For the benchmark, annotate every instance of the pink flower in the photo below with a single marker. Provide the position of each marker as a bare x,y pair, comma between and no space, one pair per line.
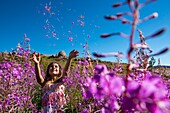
70,39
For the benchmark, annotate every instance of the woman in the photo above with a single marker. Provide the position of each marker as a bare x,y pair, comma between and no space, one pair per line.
53,97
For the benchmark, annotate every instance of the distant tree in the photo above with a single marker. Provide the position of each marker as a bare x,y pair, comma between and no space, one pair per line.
152,62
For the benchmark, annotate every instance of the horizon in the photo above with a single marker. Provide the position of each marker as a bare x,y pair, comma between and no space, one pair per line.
68,25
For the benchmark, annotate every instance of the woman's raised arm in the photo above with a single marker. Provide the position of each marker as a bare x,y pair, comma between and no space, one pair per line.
36,59
73,54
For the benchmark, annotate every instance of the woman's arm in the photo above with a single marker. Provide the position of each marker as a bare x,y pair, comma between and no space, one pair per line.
36,60
72,54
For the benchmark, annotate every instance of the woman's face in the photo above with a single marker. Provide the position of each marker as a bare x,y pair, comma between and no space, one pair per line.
54,69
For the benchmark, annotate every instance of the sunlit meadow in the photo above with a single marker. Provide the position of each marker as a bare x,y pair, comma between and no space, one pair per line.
91,85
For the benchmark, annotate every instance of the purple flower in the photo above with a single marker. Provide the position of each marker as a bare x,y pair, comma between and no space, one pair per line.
111,85
85,110
93,87
100,69
132,86
1,72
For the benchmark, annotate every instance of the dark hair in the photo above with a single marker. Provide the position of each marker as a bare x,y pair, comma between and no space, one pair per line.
48,77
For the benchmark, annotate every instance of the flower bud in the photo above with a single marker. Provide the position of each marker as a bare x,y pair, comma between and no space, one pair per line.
154,15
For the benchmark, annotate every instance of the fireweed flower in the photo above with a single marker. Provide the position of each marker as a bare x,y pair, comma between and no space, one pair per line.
147,74
16,74
154,100
105,88
1,72
129,100
77,93
111,86
100,69
85,111
167,83
146,96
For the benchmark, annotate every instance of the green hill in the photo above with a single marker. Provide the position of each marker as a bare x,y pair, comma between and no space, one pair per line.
46,59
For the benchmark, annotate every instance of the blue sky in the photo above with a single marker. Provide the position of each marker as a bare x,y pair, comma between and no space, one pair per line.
79,20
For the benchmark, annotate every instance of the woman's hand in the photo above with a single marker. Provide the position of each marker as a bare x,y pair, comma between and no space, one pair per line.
73,54
36,58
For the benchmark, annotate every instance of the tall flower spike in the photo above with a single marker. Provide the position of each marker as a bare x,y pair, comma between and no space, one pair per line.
142,38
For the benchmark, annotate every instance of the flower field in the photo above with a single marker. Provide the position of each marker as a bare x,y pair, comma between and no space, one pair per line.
92,85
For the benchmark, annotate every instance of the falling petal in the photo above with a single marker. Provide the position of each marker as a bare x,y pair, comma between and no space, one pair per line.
46,21
47,36
69,31
85,45
88,36
82,24
70,39
52,13
47,8
78,20
54,34
49,3
57,38
45,27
